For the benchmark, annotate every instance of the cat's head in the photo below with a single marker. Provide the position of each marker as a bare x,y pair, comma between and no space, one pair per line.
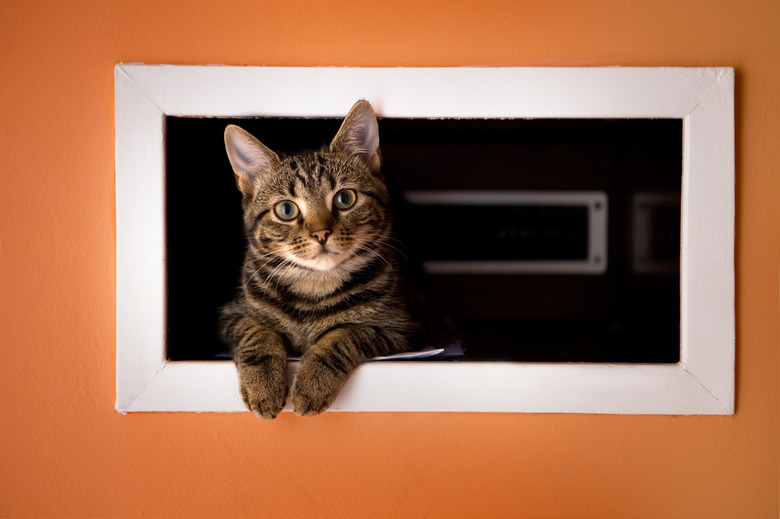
318,210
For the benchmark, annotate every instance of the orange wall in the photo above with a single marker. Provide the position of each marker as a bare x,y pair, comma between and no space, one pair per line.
64,451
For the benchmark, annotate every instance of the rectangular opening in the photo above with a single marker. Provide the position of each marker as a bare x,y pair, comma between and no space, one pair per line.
657,283
542,240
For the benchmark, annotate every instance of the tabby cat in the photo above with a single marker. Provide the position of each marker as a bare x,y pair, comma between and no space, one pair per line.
321,279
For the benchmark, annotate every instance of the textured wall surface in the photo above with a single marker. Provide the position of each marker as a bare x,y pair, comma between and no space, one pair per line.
66,452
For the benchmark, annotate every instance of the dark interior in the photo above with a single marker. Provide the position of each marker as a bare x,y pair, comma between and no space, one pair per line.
630,313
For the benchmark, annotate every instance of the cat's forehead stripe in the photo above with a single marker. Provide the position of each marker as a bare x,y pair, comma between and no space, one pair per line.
310,172
291,187
303,179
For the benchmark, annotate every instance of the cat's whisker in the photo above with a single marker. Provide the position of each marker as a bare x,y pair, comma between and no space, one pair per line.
374,251
368,266
391,247
246,283
378,241
279,269
401,243
272,255
371,251
362,259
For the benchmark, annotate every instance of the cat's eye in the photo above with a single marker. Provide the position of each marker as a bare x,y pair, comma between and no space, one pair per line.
286,210
345,199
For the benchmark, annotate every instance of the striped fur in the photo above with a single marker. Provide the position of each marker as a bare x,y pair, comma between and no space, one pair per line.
322,283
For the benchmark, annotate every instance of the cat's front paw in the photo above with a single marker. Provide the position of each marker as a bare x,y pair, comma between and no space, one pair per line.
310,404
314,389
264,386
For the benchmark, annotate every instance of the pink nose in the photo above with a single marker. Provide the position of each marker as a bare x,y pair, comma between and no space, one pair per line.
321,235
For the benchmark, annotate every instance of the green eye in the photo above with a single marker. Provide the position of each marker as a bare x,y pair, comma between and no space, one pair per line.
345,199
286,210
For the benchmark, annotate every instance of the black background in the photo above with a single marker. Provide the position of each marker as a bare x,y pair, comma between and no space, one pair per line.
620,316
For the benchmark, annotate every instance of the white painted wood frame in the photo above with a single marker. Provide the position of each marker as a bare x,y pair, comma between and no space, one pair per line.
701,383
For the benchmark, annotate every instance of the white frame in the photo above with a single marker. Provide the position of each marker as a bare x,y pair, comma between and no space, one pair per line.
701,383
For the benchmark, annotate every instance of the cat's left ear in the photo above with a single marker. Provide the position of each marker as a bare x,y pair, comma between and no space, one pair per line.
359,135
248,156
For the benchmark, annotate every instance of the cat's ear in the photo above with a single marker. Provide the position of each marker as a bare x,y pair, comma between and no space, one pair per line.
248,156
359,135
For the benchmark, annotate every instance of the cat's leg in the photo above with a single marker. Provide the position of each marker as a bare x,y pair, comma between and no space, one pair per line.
327,365
261,362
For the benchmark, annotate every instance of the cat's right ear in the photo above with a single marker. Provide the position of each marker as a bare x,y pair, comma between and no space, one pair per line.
248,156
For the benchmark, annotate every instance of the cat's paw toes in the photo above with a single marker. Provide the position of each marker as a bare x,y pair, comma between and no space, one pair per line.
311,404
264,407
313,391
316,385
264,391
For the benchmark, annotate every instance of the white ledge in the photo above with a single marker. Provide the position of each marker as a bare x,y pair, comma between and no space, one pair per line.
409,386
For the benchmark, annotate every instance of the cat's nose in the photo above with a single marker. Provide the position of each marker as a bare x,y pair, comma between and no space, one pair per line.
321,235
